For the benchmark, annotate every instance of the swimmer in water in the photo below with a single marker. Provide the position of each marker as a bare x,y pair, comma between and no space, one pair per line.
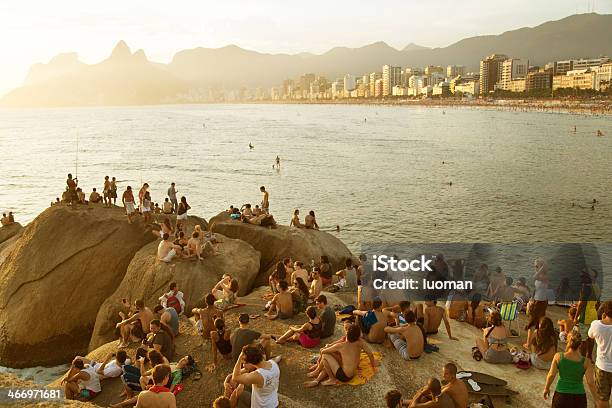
278,162
337,228
450,183
251,146
599,133
574,128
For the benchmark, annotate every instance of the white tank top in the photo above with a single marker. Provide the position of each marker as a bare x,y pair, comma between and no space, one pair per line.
541,291
267,396
93,384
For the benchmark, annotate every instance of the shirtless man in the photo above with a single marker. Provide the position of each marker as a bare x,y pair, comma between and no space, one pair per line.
317,284
137,325
433,315
141,195
113,187
72,187
94,197
407,339
299,272
350,352
377,329
158,396
128,203
194,247
166,250
431,396
497,281
5,220
282,303
265,203
454,388
310,221
205,318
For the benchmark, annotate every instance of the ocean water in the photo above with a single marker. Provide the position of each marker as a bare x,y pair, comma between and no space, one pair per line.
381,173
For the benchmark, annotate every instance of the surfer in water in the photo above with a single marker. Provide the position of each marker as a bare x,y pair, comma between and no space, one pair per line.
277,162
251,146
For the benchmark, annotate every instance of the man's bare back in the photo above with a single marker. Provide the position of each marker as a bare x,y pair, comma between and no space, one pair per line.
413,336
284,303
146,316
457,390
350,354
149,399
433,318
377,330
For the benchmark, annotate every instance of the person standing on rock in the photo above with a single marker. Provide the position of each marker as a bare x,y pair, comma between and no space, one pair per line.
106,192
181,212
172,196
265,203
141,196
128,203
72,189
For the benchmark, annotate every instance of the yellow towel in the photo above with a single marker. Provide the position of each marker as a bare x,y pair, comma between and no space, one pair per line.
342,316
365,371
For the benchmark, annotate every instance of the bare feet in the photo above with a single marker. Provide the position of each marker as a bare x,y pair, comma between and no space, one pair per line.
311,384
330,381
312,374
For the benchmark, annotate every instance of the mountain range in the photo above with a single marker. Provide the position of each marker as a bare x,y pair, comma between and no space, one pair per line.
127,78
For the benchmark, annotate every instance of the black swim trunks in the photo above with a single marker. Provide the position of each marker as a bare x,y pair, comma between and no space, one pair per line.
341,376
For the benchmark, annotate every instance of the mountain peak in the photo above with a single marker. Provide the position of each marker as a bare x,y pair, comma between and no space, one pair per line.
121,51
413,47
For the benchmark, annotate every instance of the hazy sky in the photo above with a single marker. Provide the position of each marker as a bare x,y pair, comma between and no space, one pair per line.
35,31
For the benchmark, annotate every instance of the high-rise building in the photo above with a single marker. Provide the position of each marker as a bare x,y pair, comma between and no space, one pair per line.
454,70
373,77
562,67
539,80
391,77
430,69
490,72
513,69
378,88
349,82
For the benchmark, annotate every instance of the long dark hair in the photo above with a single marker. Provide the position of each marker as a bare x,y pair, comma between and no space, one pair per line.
546,337
281,272
302,286
495,320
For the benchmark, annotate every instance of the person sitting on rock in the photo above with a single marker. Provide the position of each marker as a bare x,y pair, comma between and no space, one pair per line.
343,370
244,336
433,315
454,387
136,325
95,197
279,274
373,322
5,220
82,382
81,196
315,369
225,291
194,246
328,316
299,272
165,228
161,340
300,293
257,211
205,317
158,396
221,343
111,366
281,305
309,334
316,285
295,220
325,271
169,317
431,396
393,399
310,222
173,298
408,339
166,250
263,375
157,209
246,212
167,207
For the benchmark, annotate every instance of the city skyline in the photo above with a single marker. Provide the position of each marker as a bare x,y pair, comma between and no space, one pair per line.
268,27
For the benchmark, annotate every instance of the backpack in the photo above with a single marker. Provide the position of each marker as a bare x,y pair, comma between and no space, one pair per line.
174,303
131,376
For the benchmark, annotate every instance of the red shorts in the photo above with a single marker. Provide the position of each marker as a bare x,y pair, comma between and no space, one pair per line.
308,342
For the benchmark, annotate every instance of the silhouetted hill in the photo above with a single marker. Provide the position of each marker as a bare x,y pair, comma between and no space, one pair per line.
126,78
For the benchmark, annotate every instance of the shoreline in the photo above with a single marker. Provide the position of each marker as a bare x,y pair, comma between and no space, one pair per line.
581,107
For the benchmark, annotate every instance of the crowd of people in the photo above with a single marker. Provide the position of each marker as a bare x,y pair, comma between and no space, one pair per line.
151,380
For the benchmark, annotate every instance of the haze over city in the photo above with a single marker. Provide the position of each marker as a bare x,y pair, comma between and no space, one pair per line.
41,30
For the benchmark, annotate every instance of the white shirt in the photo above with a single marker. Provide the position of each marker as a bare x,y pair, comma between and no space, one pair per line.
266,396
112,369
541,291
602,333
93,384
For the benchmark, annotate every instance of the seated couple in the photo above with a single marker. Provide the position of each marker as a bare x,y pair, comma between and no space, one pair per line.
262,218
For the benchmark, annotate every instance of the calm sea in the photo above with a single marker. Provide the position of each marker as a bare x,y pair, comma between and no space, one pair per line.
381,173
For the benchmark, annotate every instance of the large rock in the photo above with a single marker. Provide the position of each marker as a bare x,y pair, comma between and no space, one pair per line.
55,277
8,231
281,242
147,279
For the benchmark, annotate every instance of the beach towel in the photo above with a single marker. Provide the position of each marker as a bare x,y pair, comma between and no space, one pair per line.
343,315
365,371
367,321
